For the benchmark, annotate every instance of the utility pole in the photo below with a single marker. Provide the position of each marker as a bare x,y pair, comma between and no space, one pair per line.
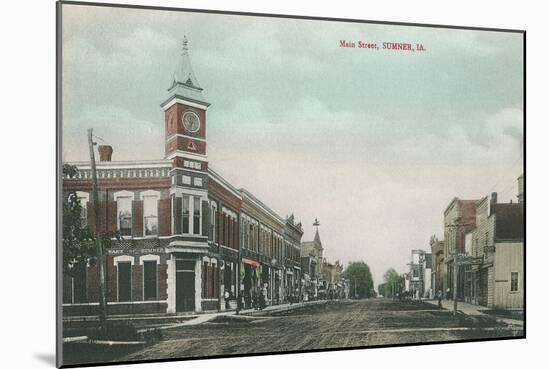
98,241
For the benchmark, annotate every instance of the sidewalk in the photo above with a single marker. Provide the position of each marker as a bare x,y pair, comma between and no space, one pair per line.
476,310
281,307
163,321
243,314
466,308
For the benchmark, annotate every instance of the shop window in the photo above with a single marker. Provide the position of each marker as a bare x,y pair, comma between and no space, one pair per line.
79,281
205,279
124,281
150,280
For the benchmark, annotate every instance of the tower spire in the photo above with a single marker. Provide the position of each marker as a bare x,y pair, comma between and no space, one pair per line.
184,71
317,238
184,81
184,46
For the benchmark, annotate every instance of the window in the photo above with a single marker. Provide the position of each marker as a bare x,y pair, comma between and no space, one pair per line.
124,281
191,204
83,198
83,213
213,215
252,239
77,284
514,282
196,214
205,269
192,164
150,215
150,280
185,214
124,209
185,180
197,181
210,279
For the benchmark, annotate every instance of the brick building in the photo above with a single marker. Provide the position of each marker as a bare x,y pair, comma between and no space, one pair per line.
459,219
187,240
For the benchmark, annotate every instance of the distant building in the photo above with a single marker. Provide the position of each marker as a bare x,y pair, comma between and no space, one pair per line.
438,262
332,278
428,290
311,253
419,276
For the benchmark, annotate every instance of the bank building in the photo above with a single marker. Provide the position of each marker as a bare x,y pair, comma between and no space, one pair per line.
186,240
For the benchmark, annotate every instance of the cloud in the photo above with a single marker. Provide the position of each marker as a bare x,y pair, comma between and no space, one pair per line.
375,144
111,124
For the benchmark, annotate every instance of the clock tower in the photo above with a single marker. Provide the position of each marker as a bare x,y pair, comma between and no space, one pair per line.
185,123
185,146
185,112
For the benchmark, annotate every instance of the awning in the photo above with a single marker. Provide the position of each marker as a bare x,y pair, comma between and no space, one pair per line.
251,262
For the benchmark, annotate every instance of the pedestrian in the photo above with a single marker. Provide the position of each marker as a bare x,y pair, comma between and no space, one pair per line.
226,297
263,297
254,300
448,293
439,295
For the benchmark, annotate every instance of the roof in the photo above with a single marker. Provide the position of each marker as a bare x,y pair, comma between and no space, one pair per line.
184,71
128,164
509,222
224,183
317,238
247,196
461,202
184,82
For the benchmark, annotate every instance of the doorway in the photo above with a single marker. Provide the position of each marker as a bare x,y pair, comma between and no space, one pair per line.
185,285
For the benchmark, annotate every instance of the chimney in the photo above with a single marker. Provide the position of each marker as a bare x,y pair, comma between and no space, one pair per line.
493,202
105,152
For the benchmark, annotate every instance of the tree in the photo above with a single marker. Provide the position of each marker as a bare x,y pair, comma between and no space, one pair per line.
360,278
394,283
78,242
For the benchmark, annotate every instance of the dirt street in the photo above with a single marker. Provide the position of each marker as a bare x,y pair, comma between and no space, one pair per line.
331,325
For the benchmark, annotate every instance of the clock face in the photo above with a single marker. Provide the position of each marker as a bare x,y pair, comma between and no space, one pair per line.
191,121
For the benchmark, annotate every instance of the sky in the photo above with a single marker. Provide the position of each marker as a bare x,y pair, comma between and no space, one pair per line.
374,143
